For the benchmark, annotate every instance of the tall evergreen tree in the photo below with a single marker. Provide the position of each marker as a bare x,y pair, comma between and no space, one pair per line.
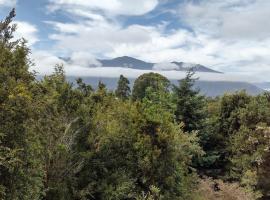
123,89
189,104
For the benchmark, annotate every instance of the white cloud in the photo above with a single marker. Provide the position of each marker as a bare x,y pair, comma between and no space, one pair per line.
227,35
111,7
84,59
27,31
241,30
152,44
101,38
231,19
77,64
111,39
165,66
45,62
8,3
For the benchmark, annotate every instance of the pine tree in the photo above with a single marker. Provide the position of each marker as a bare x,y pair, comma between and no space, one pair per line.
123,89
189,104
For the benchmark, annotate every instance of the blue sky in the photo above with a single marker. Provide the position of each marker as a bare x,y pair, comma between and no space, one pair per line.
232,36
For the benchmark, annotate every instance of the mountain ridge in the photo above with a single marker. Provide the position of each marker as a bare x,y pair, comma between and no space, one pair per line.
134,63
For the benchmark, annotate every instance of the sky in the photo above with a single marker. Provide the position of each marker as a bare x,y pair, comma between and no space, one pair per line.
232,36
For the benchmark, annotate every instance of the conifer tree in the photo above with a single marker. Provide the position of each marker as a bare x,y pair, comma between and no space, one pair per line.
189,104
123,89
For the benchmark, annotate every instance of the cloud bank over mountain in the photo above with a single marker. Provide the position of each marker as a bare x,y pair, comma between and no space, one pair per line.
227,35
92,67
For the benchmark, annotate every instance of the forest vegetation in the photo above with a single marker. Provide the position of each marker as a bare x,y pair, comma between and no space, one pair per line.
155,141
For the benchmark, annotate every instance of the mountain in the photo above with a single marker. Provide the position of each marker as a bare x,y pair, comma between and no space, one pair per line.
196,67
217,88
129,62
207,88
263,85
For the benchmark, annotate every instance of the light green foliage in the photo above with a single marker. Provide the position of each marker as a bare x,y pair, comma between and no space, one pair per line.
130,150
230,106
20,170
250,145
57,103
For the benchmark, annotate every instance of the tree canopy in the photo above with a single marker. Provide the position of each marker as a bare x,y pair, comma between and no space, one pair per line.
154,80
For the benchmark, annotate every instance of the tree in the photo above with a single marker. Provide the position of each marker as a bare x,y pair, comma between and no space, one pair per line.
123,89
222,122
129,150
56,122
84,88
230,106
249,146
21,172
7,29
156,81
189,104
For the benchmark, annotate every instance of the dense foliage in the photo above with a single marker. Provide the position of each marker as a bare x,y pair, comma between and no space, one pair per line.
156,81
60,140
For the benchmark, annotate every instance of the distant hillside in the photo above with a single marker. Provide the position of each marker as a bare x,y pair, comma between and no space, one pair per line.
217,88
263,85
208,88
196,67
129,62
